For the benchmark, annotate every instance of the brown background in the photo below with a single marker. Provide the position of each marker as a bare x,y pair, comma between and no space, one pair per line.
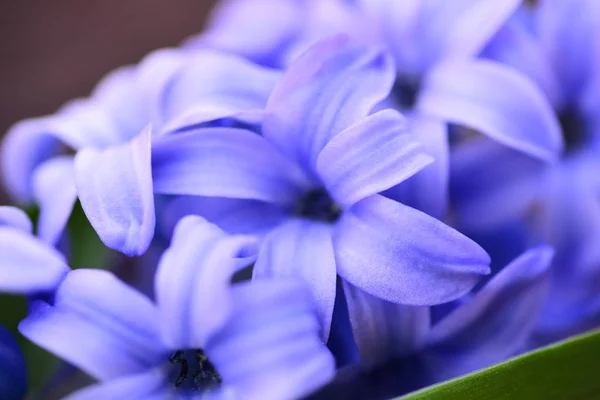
52,51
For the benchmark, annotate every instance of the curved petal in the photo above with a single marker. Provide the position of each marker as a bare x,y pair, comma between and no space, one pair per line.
235,216
150,385
384,330
16,218
302,249
404,256
274,325
335,84
100,325
495,323
115,190
55,192
225,162
427,190
27,265
192,281
569,35
13,372
496,100
214,85
369,157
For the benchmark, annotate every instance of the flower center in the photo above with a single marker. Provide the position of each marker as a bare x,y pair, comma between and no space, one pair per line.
318,205
405,91
193,371
573,129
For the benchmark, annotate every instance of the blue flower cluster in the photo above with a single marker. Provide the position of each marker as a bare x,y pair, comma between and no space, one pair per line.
314,185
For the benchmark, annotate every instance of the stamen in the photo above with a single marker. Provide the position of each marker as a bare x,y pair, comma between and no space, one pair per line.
573,129
318,205
405,91
196,364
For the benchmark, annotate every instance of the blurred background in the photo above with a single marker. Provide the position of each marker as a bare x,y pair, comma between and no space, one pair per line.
52,51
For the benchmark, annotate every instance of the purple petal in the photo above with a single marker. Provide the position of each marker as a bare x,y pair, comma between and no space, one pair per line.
98,324
193,279
496,100
214,85
146,386
494,324
225,162
232,215
492,184
16,218
302,249
115,190
570,38
55,192
404,256
274,326
13,372
369,157
335,84
427,190
384,330
27,265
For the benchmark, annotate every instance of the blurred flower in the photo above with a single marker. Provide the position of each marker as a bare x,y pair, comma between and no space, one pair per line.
203,336
557,45
13,375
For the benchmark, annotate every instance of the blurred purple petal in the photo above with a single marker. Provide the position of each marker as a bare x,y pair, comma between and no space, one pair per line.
496,100
404,256
13,372
27,265
274,325
225,162
369,157
302,249
193,279
147,386
335,84
55,192
115,190
16,218
495,324
385,330
98,324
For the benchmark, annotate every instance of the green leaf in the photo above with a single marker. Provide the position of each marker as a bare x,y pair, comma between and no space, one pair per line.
568,370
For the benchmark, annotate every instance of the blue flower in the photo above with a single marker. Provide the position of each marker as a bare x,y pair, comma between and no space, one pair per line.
556,45
202,335
13,374
314,173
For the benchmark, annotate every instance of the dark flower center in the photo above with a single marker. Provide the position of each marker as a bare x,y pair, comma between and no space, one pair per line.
193,371
405,91
318,205
573,129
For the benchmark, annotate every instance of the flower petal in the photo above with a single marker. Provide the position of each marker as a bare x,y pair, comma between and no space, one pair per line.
16,218
494,324
404,256
302,249
27,265
115,190
13,373
214,85
274,324
225,162
98,324
335,84
427,190
146,386
496,100
55,192
384,330
193,279
369,157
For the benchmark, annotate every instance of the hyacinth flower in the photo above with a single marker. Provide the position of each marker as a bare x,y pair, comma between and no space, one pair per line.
439,80
37,154
314,172
203,337
13,374
557,44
